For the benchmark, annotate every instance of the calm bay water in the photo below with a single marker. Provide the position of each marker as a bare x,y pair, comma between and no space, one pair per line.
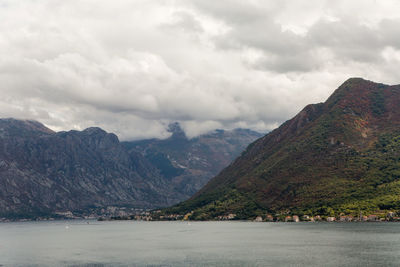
130,243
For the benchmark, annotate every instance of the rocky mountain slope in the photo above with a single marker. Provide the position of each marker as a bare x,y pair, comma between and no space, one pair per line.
42,172
341,156
188,164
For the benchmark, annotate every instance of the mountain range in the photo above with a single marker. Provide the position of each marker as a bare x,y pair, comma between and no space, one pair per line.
43,172
337,157
188,164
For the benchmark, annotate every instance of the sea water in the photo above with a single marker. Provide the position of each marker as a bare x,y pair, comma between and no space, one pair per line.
133,243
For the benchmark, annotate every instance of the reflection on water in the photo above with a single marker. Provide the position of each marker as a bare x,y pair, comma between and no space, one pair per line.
130,243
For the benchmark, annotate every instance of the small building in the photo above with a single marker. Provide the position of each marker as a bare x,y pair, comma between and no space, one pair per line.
258,219
296,218
373,218
231,216
345,218
288,219
269,218
390,214
330,219
317,218
121,213
66,214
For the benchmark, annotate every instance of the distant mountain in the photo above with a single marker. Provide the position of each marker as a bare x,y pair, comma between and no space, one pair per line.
42,171
188,164
341,156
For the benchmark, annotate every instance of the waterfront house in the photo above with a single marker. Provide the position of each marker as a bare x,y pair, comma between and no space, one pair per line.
258,219
269,218
346,218
231,216
373,218
330,219
390,215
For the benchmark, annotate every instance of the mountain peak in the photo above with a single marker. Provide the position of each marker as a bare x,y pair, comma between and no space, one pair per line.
22,127
353,80
94,131
337,157
176,130
354,86
356,82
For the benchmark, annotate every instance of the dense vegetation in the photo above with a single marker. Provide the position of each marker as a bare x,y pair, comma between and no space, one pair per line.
339,157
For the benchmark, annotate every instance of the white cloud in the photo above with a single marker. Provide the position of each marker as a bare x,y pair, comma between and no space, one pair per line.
132,67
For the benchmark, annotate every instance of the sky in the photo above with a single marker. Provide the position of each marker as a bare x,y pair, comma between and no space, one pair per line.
132,67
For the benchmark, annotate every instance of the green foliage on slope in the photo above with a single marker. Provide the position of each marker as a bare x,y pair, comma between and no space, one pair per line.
342,156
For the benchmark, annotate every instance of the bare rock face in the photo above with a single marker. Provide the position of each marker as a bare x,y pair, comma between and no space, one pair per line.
42,171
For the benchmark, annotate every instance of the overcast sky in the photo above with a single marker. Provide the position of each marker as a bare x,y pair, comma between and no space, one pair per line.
131,67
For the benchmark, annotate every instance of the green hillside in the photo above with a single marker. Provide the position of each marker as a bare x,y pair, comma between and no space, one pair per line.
341,156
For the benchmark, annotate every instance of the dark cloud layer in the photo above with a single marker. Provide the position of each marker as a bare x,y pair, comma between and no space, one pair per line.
132,67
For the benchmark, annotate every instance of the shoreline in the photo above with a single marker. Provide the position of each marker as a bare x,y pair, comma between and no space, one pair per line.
193,221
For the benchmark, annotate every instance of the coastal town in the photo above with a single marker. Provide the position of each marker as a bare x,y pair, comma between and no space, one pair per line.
105,213
113,213
157,216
